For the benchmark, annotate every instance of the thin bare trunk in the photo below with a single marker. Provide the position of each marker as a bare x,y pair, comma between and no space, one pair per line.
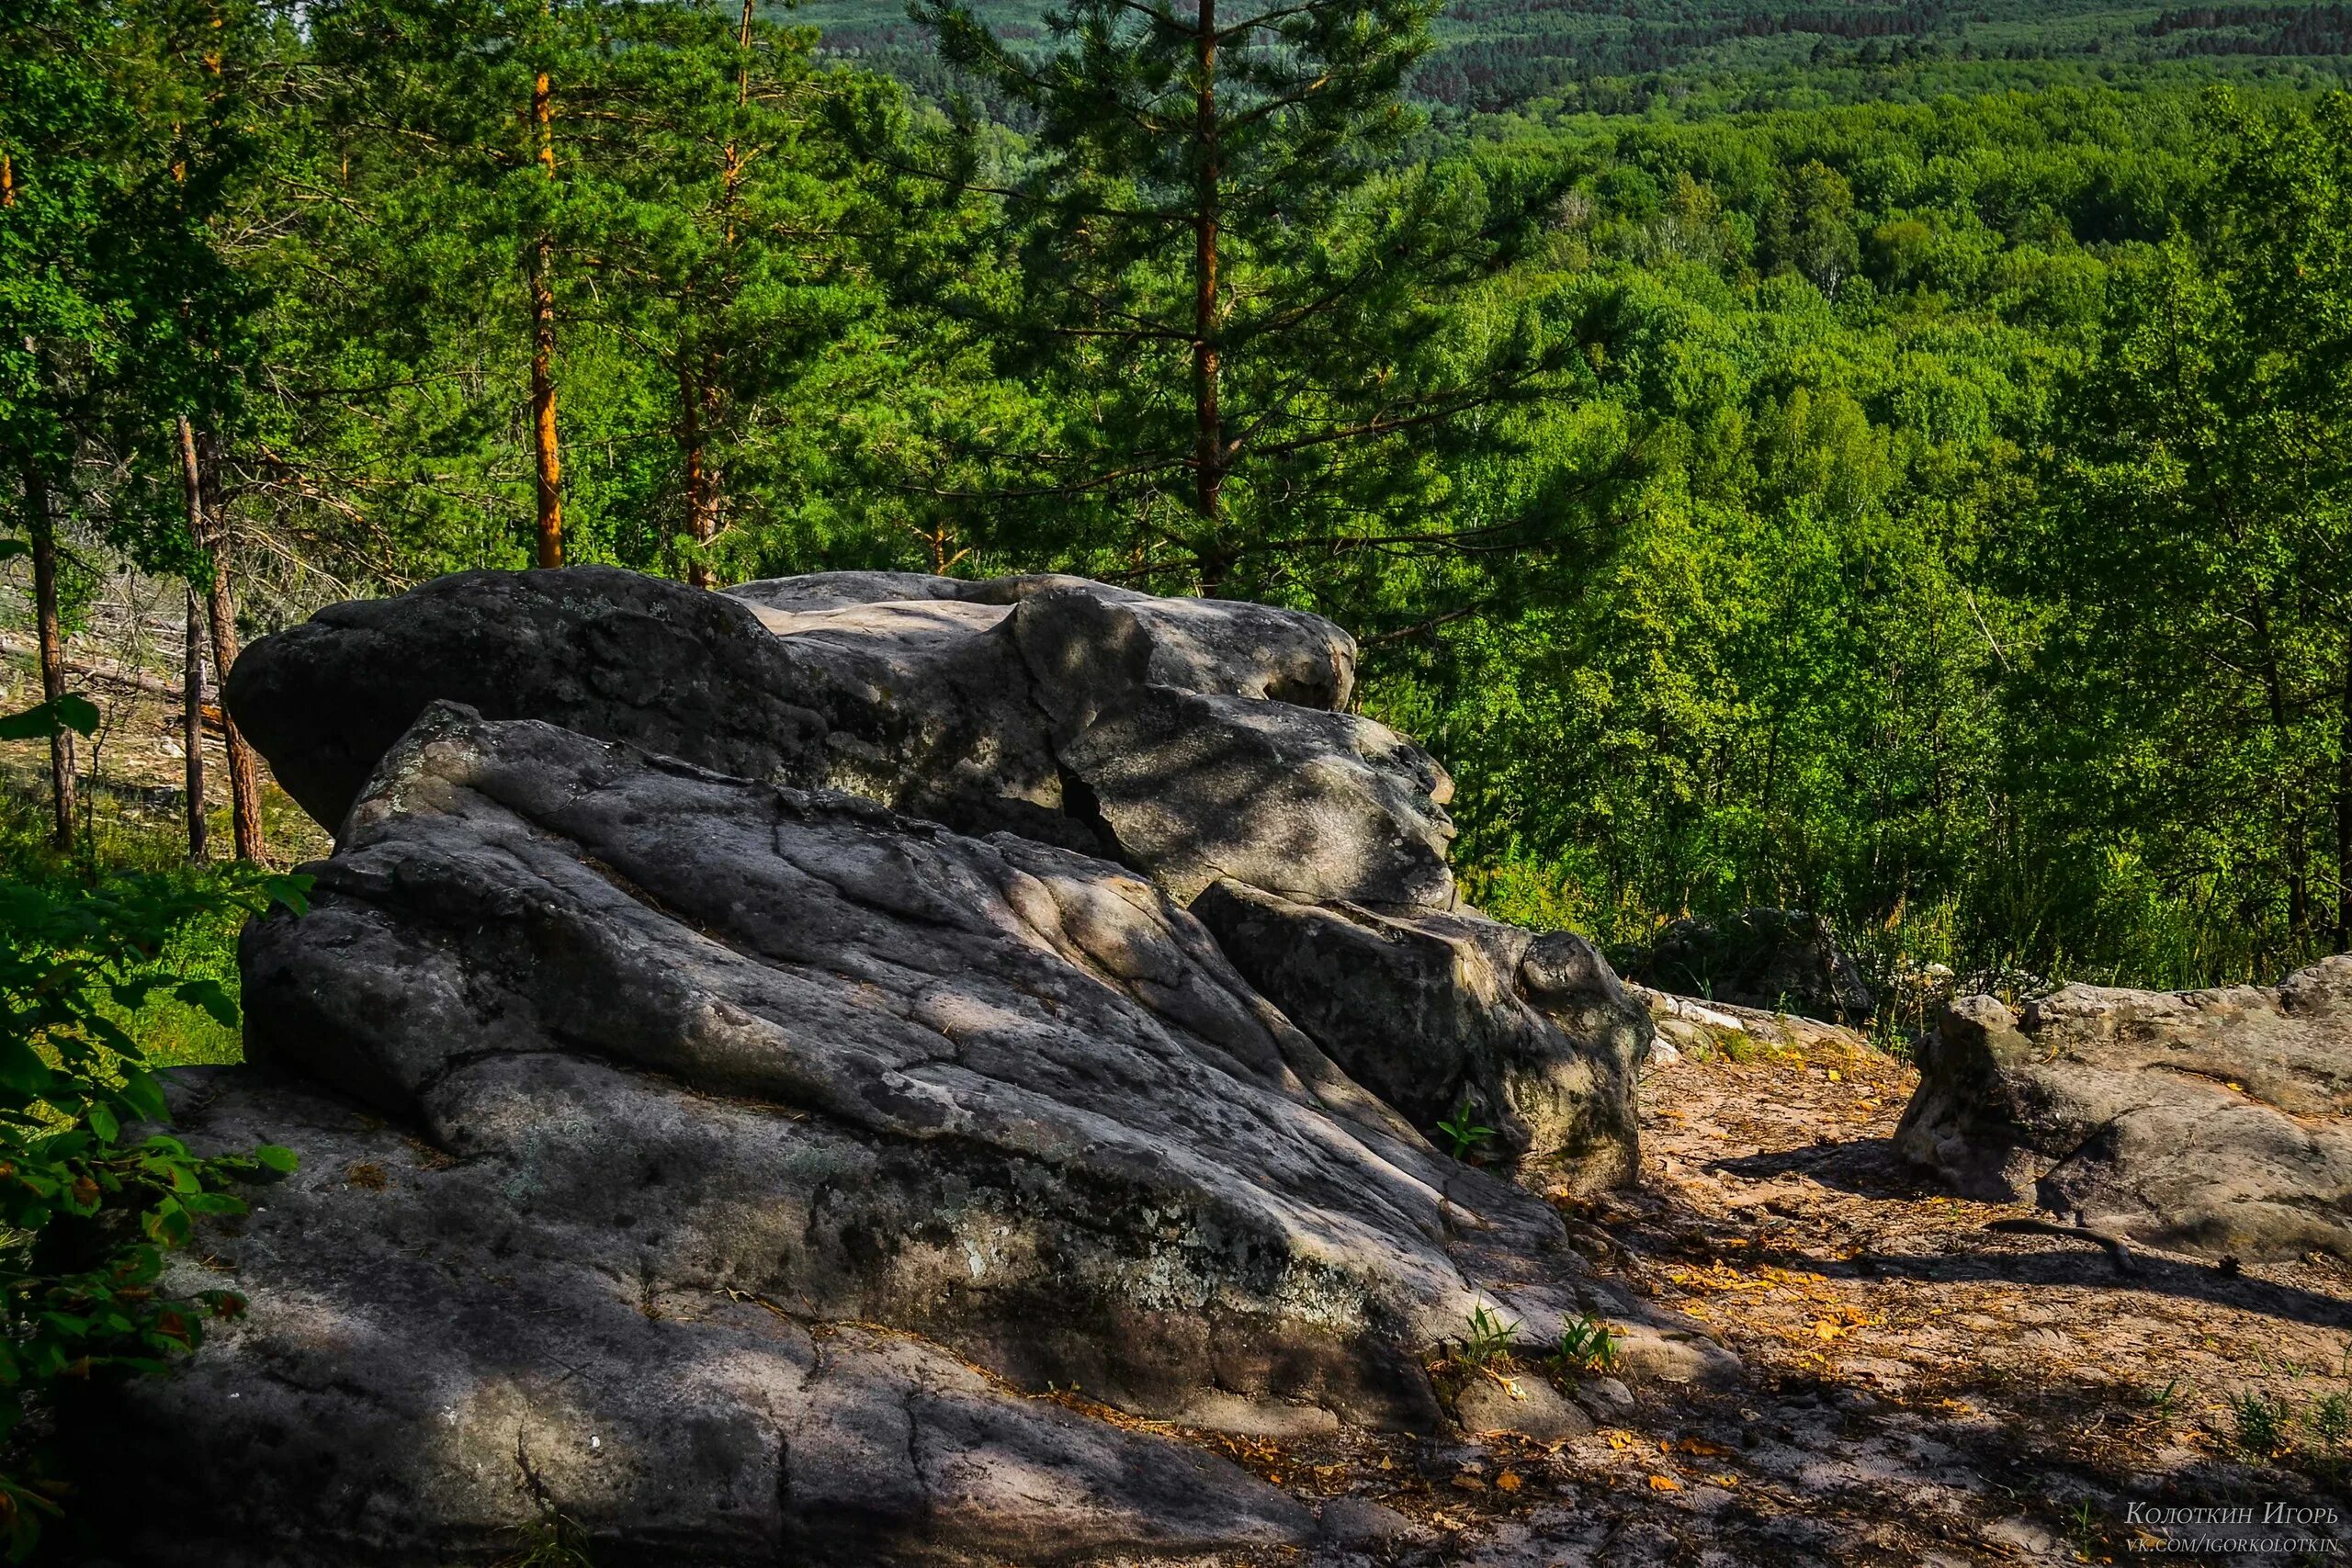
41,525
192,670
1208,445
701,500
2298,890
199,846
244,778
220,611
546,455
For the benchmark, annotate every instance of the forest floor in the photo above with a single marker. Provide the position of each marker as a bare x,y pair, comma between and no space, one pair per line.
1920,1391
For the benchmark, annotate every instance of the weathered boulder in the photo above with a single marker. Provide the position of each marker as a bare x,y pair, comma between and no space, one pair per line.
1773,960
1445,1014
623,1087
2211,1121
1187,738
599,650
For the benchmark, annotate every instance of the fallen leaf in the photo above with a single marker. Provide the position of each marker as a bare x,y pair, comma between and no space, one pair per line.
1508,1481
1665,1484
1469,1483
1701,1445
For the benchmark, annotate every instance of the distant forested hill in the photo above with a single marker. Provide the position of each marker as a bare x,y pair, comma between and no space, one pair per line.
1495,54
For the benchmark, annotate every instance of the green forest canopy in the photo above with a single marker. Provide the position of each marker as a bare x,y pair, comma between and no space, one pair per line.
1899,474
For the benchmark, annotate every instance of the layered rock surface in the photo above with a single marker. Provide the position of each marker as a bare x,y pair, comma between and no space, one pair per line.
617,1081
2211,1121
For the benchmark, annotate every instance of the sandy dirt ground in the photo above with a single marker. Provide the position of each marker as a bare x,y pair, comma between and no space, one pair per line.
1920,1390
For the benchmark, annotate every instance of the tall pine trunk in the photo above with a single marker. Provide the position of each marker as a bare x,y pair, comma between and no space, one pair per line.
698,394
192,662
546,458
2274,687
41,526
1208,442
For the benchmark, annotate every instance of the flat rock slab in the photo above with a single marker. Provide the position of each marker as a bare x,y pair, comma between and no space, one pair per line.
1187,737
2211,1121
1524,1405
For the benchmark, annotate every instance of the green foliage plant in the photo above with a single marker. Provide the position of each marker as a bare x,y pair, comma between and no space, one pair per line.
2261,1424
1487,1340
92,1196
1464,1132
1586,1345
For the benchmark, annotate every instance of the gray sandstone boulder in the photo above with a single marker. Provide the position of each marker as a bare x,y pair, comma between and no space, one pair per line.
734,1157
1772,960
414,1363
1524,1405
594,649
1223,647
1440,1012
1187,739
2211,1121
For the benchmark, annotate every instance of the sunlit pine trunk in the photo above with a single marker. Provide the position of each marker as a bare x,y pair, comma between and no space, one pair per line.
2344,809
701,483
2274,685
548,459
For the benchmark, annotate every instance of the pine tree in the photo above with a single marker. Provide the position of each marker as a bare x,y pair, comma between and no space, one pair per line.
1232,275
727,249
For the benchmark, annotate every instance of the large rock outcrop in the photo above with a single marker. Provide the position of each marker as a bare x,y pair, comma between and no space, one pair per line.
1452,1014
2211,1121
628,1090
1187,738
